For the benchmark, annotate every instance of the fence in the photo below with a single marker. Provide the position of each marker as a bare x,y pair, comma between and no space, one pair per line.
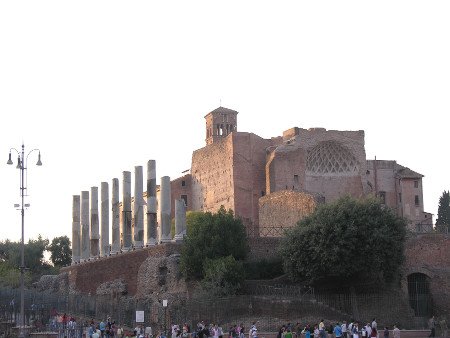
271,305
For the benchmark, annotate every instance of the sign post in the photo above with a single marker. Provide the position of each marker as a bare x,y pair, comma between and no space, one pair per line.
165,316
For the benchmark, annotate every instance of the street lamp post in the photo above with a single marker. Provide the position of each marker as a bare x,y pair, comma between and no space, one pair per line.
22,165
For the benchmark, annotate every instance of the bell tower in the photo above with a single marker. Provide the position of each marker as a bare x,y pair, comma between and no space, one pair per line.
220,123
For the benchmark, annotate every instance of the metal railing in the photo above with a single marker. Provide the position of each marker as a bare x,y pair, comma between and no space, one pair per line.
272,305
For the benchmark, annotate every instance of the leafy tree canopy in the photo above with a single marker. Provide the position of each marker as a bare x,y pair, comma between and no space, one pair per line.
444,209
10,258
60,251
211,236
347,241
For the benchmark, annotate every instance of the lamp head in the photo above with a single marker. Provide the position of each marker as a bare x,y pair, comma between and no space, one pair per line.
9,159
18,163
39,163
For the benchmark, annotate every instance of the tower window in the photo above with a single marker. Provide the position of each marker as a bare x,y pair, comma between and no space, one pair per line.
416,200
184,197
416,184
400,197
382,196
296,179
183,183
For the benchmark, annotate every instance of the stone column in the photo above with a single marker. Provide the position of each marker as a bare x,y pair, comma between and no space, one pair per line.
115,248
151,202
165,209
104,238
180,220
138,207
76,239
85,236
126,210
95,234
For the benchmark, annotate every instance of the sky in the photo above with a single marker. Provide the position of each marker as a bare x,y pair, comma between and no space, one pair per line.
102,86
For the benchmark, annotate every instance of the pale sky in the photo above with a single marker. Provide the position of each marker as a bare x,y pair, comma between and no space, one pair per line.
102,86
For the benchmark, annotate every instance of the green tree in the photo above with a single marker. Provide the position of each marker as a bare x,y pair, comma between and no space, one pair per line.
211,236
347,241
10,260
60,252
223,276
443,217
33,253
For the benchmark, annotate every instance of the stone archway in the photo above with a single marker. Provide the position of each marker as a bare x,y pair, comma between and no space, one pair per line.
419,294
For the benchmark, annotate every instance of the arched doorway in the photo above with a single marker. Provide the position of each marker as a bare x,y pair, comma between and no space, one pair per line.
419,294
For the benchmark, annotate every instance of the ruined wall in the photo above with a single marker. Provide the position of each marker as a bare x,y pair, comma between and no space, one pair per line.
430,254
212,173
123,268
282,210
263,248
331,163
336,162
249,158
391,179
287,168
179,187
384,180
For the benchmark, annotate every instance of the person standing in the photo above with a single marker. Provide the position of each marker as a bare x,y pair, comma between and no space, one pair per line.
344,329
396,332
386,332
444,327
322,331
338,331
432,326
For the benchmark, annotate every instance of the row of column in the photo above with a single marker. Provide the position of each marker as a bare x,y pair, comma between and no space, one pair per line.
88,242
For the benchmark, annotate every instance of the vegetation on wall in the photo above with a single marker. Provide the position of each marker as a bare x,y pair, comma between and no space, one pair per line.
349,241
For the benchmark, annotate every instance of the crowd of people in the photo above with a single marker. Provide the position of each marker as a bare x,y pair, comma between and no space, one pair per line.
353,329
213,330
109,329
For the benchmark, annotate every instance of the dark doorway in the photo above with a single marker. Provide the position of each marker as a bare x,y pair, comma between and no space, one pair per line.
419,294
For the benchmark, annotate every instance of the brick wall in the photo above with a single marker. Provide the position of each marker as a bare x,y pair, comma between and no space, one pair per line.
87,277
249,158
282,210
178,187
263,248
212,172
430,254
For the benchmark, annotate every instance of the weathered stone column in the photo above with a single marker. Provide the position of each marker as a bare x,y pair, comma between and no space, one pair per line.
126,210
165,209
151,202
138,207
180,220
85,235
104,238
76,239
115,248
95,234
